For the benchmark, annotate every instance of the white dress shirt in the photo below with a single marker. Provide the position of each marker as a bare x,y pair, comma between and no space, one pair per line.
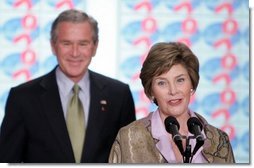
65,86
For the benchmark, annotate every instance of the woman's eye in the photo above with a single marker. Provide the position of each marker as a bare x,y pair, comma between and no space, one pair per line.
180,80
161,83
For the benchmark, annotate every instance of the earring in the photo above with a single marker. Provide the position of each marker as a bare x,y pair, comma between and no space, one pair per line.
192,91
153,99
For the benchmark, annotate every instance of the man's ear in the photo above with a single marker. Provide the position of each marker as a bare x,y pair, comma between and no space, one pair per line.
52,45
95,48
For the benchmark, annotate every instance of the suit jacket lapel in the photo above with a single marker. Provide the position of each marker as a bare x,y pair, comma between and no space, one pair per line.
54,112
96,118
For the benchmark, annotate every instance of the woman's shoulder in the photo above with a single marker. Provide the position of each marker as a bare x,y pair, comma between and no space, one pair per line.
217,147
137,136
140,126
212,130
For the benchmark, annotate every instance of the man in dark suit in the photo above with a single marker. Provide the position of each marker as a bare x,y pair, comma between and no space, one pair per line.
34,128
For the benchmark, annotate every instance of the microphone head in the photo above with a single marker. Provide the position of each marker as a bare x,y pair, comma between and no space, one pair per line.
169,122
192,122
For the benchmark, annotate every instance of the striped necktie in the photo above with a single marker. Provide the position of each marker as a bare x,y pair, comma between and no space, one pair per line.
76,124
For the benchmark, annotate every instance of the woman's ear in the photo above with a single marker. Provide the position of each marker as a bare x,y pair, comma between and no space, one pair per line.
192,91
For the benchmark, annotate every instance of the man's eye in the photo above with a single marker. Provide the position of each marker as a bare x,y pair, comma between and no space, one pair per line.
66,44
84,44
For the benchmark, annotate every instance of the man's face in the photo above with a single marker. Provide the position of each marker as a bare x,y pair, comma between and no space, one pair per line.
74,48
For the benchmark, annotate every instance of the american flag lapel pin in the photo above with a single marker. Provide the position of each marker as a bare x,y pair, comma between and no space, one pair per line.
103,105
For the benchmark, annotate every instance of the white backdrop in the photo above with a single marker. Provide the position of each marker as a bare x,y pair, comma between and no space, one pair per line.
105,12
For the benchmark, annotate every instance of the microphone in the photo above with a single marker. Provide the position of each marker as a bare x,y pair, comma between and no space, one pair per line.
195,127
172,126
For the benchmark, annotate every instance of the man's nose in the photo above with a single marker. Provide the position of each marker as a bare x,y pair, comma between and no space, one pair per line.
75,50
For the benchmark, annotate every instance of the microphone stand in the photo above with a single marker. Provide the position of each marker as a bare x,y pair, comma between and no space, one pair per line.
187,153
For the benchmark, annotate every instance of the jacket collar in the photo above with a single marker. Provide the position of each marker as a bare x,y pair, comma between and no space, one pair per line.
212,137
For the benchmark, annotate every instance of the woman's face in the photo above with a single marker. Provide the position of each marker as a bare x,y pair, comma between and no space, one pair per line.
172,90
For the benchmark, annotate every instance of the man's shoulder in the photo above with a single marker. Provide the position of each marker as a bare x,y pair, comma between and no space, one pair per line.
33,82
95,76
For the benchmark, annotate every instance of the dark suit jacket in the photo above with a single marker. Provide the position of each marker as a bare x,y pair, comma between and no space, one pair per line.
34,129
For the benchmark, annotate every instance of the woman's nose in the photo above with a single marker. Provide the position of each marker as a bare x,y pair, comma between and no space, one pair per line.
172,89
